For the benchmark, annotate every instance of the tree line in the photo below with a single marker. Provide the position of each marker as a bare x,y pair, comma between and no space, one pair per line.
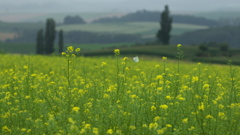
45,41
153,16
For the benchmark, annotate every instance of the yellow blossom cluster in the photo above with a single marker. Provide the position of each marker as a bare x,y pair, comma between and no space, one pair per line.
82,95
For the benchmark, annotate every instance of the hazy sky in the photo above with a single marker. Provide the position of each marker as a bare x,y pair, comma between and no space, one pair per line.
116,5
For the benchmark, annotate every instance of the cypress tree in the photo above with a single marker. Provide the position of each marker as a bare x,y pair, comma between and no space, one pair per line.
163,34
40,42
61,41
50,36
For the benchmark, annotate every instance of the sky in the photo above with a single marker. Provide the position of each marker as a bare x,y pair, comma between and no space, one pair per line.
117,5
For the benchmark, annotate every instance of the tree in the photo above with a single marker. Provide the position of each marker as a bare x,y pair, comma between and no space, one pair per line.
61,41
163,34
203,47
50,36
224,47
40,42
73,20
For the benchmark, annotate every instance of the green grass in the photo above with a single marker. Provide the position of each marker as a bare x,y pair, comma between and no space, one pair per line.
14,27
16,48
147,29
30,48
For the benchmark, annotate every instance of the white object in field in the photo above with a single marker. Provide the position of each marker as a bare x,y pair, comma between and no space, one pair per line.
136,59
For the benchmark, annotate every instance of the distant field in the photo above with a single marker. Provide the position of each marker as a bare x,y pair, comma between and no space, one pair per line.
148,29
58,17
13,27
218,15
4,36
17,48
30,48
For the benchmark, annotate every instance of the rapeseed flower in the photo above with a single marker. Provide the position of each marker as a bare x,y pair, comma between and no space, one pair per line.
185,120
77,50
6,129
153,126
156,118
117,52
165,107
75,109
95,131
132,127
209,116
201,106
164,58
70,49
109,131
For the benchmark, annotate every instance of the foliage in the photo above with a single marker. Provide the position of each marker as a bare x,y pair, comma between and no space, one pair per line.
153,16
203,47
60,41
50,33
78,95
73,20
226,34
40,42
163,34
224,47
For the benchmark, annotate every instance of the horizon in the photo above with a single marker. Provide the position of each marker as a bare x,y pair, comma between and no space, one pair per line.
53,6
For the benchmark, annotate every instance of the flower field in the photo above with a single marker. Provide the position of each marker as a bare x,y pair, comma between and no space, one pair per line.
116,95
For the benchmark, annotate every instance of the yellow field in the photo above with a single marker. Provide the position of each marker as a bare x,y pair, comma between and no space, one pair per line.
78,95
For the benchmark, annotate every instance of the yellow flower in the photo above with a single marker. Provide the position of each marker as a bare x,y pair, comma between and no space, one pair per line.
206,86
156,118
153,108
27,97
63,53
134,96
106,96
77,50
179,45
164,58
159,77
201,107
165,107
157,66
168,97
87,126
6,129
185,120
153,126
160,131
191,128
132,127
95,131
168,125
222,115
117,51
195,79
144,125
76,109
125,58
70,49
71,120
103,64
110,131
209,116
